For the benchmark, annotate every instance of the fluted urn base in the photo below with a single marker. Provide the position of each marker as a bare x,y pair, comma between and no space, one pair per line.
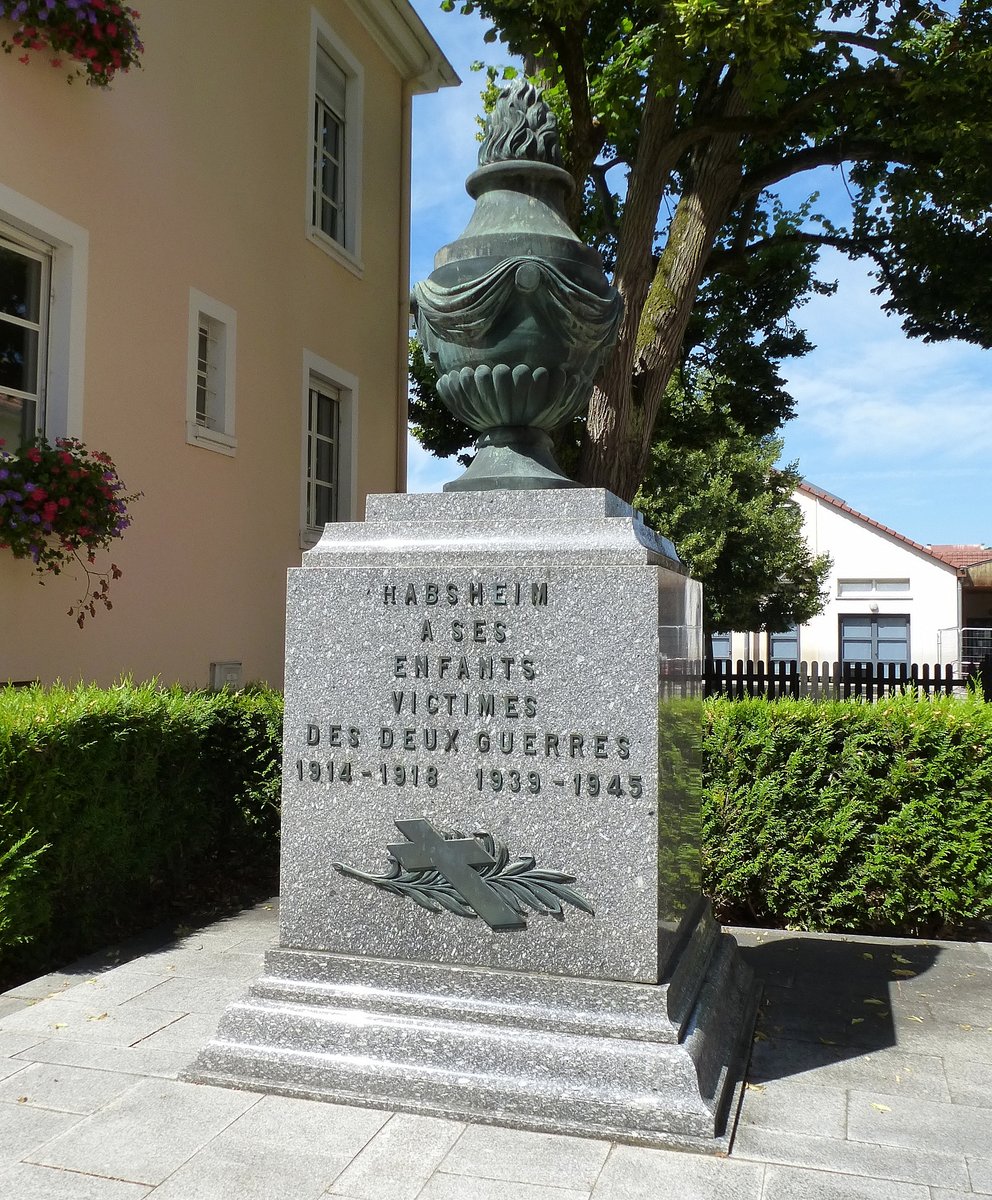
514,458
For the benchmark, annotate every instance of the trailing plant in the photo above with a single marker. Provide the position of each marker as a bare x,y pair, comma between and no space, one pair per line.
59,505
99,35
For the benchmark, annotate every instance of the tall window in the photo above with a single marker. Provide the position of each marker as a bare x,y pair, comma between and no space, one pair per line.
210,374
784,647
870,638
334,200
329,412
208,338
720,646
328,214
25,273
323,455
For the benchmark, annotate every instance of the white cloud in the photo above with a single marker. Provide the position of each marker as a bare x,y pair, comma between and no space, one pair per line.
869,391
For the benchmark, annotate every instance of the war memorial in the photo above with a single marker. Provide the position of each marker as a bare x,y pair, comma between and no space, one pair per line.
490,892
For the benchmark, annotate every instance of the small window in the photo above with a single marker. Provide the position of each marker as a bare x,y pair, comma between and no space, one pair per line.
334,187
210,389
25,274
872,587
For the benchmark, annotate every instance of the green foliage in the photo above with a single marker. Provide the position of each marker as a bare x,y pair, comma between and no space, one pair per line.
708,108
121,807
845,815
437,430
717,493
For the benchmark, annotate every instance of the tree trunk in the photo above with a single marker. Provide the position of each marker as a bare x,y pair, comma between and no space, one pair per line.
620,427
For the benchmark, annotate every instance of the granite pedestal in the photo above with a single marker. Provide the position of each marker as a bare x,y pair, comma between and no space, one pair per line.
490,900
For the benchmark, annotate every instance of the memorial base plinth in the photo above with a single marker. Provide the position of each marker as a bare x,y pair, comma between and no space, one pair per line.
651,1064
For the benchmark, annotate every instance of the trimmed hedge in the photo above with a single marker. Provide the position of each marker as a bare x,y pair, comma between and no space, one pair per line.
125,806
120,808
848,815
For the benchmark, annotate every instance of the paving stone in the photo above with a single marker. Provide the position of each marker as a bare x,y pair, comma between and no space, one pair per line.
65,1089
795,1108
980,1174
886,1070
465,1187
117,1025
44,986
24,1129
11,1066
147,1133
25,1181
905,1121
852,1158
187,1034
190,995
399,1160
200,963
129,1060
637,1173
253,1173
12,1004
115,987
937,1193
795,1183
14,1041
518,1156
304,1126
969,1082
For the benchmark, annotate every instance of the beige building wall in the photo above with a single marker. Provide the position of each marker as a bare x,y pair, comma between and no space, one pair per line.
193,173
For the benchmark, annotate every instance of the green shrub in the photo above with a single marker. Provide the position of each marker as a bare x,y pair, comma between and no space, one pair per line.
848,815
120,807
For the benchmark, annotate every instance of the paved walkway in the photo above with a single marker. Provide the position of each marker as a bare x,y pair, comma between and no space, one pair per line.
871,1079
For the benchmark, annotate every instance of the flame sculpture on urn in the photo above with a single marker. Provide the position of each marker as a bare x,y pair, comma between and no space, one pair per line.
518,315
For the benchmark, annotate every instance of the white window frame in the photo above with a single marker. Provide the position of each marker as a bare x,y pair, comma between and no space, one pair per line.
223,322
859,587
318,371
349,251
66,342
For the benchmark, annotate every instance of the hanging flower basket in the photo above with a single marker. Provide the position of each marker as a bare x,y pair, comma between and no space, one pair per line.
99,35
59,505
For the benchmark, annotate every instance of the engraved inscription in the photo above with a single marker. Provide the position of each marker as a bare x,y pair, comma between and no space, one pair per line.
463,701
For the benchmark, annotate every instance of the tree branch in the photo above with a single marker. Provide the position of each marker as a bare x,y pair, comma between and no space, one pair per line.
726,260
851,38
830,154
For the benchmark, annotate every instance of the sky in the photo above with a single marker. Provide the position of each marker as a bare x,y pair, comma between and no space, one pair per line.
898,428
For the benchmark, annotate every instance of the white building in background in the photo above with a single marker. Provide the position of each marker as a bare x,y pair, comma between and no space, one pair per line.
889,599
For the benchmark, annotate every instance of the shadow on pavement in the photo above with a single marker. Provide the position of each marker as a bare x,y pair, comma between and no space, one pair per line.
827,1000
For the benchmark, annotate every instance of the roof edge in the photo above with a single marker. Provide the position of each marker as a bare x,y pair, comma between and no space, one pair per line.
407,43
842,506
